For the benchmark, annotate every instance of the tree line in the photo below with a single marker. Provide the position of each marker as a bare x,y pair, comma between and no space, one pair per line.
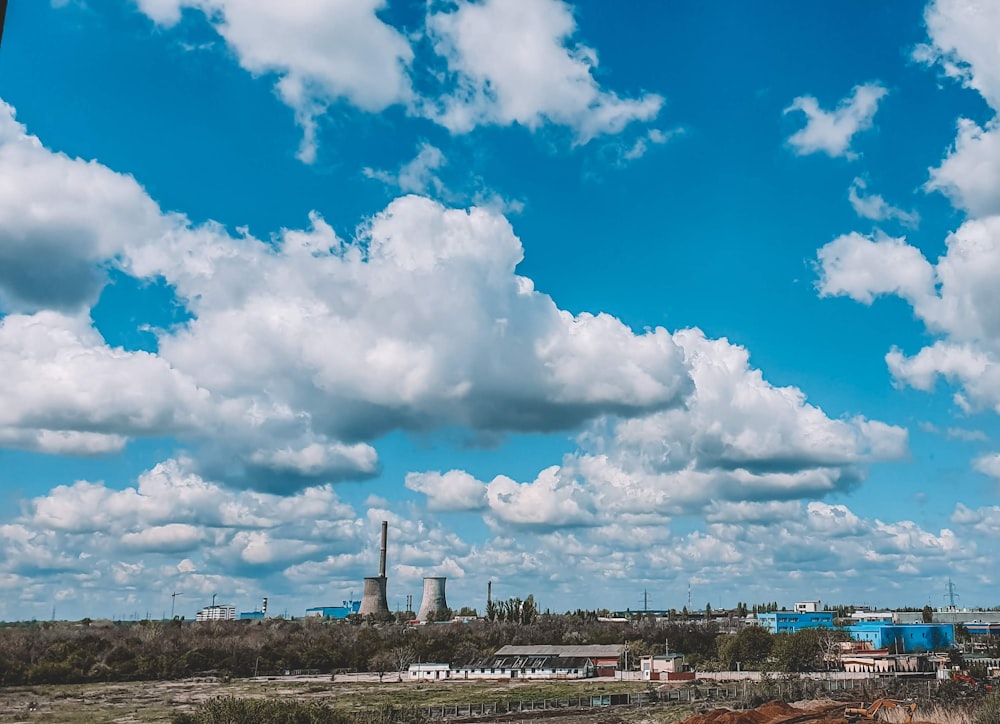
67,652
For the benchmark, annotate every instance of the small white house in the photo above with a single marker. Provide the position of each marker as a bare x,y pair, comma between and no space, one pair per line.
808,607
430,672
655,668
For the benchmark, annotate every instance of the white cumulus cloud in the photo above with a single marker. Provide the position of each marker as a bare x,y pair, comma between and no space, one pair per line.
61,219
988,465
321,50
452,490
515,62
510,62
738,439
957,298
831,132
962,42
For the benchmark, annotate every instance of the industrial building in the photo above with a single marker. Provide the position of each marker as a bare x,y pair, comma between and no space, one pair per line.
532,662
255,615
336,612
949,615
792,621
904,638
980,628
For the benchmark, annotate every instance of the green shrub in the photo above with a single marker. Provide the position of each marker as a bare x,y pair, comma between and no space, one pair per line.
230,710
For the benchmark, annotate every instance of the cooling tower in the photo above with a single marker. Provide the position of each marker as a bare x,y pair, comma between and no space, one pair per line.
373,600
434,599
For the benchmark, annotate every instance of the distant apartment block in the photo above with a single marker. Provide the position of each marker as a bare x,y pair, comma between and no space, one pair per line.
216,613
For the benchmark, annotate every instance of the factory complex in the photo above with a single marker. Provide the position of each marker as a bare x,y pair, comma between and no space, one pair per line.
877,642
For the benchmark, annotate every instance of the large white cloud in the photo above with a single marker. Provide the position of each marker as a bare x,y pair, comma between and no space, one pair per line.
962,42
322,51
515,62
738,438
507,62
831,132
957,298
305,348
65,390
61,219
419,322
970,174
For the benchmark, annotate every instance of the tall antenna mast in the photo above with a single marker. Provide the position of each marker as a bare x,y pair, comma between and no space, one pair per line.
689,595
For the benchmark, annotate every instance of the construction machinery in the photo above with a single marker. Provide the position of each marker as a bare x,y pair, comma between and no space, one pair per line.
973,684
875,711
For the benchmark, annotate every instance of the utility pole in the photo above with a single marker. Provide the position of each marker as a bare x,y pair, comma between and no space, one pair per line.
951,596
173,599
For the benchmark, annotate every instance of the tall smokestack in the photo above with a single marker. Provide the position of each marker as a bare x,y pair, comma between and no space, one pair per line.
373,600
381,557
489,592
263,606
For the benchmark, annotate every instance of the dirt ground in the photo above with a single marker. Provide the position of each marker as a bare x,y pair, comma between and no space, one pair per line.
157,701
774,712
138,703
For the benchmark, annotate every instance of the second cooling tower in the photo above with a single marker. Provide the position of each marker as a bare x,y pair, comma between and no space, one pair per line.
434,599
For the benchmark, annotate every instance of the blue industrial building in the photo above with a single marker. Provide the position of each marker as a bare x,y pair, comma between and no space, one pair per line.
904,638
342,611
792,621
983,628
251,616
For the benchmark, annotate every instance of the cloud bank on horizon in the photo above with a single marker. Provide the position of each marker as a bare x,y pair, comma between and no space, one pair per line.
535,361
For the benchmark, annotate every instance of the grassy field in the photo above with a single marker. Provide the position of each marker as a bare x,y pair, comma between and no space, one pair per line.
129,703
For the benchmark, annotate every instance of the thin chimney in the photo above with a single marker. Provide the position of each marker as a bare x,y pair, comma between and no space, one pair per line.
381,558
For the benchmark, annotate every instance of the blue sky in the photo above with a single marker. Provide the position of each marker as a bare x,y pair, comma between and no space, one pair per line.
584,299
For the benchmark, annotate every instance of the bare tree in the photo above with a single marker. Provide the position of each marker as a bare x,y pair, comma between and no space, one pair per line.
402,657
380,663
